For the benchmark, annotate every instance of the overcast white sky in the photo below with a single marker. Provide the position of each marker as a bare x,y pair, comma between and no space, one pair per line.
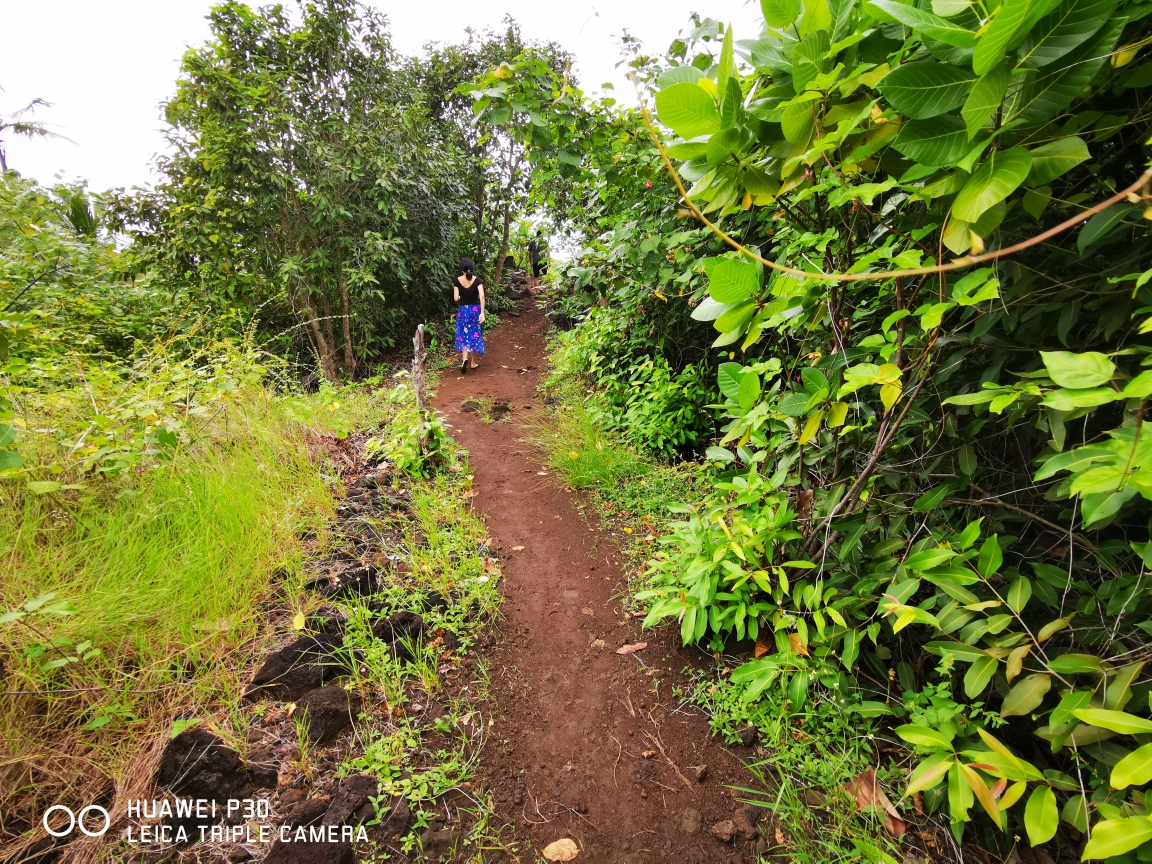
106,66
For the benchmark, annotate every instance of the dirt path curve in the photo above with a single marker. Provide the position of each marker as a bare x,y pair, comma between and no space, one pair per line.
566,756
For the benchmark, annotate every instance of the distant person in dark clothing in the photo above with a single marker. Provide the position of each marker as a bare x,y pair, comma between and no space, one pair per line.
538,255
468,292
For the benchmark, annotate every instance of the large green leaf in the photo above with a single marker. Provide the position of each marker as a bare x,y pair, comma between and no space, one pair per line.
924,22
1101,225
1055,159
733,280
727,64
985,98
1133,769
1043,95
780,13
1041,818
1117,721
994,42
1079,371
1070,24
938,141
728,378
810,59
1026,695
924,736
798,121
978,676
1114,837
996,179
688,110
925,89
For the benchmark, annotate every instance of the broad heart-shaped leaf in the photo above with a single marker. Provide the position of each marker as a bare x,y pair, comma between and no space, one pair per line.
728,378
1055,159
935,142
1133,769
994,42
978,676
1114,837
678,75
749,390
924,23
1043,95
733,280
1041,818
1028,693
985,98
997,178
810,58
1071,23
709,310
1101,225
798,120
1078,371
925,88
688,110
780,13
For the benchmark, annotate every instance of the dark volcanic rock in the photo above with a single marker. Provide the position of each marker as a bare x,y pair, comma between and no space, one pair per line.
356,582
399,625
310,853
350,796
306,812
196,764
302,665
330,711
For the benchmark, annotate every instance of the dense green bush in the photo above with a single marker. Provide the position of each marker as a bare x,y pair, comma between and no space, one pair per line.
930,479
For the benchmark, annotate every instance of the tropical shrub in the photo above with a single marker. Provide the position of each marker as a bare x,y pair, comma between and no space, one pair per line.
930,475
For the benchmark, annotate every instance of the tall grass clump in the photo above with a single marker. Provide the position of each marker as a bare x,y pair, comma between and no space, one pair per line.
139,541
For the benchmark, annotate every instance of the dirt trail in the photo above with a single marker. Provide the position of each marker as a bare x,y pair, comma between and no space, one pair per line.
566,756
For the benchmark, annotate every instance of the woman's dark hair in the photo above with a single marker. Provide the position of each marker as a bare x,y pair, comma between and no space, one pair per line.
468,267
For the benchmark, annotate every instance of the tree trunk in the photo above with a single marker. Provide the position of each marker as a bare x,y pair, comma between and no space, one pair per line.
418,369
513,169
327,361
328,331
346,320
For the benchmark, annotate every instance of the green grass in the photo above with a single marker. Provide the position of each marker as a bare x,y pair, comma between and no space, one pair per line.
165,571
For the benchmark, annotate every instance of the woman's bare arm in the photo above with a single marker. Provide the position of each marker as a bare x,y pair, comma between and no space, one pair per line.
481,289
455,292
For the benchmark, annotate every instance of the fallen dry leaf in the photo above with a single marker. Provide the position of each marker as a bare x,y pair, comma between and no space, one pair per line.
631,649
587,610
648,754
542,473
797,643
762,647
561,850
868,794
517,548
598,644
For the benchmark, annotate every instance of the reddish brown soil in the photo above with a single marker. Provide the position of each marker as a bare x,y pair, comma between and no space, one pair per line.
566,756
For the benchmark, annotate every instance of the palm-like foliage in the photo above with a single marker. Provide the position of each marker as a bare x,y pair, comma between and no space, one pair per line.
19,123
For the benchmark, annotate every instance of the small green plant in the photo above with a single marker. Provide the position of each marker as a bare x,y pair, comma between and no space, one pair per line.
416,441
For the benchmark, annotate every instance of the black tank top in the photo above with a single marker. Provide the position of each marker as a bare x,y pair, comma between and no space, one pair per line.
469,295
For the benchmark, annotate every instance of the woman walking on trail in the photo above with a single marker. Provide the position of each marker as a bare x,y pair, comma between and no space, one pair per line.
468,292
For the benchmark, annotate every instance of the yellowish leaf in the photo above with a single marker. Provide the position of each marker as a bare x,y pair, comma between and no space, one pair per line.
889,393
1016,661
983,793
298,621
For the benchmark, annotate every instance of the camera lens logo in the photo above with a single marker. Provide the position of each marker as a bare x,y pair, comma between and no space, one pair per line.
77,820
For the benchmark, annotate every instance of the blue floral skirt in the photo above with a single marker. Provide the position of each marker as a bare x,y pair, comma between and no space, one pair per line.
469,330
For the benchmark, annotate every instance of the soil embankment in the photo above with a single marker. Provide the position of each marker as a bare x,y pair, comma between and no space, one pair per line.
587,743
